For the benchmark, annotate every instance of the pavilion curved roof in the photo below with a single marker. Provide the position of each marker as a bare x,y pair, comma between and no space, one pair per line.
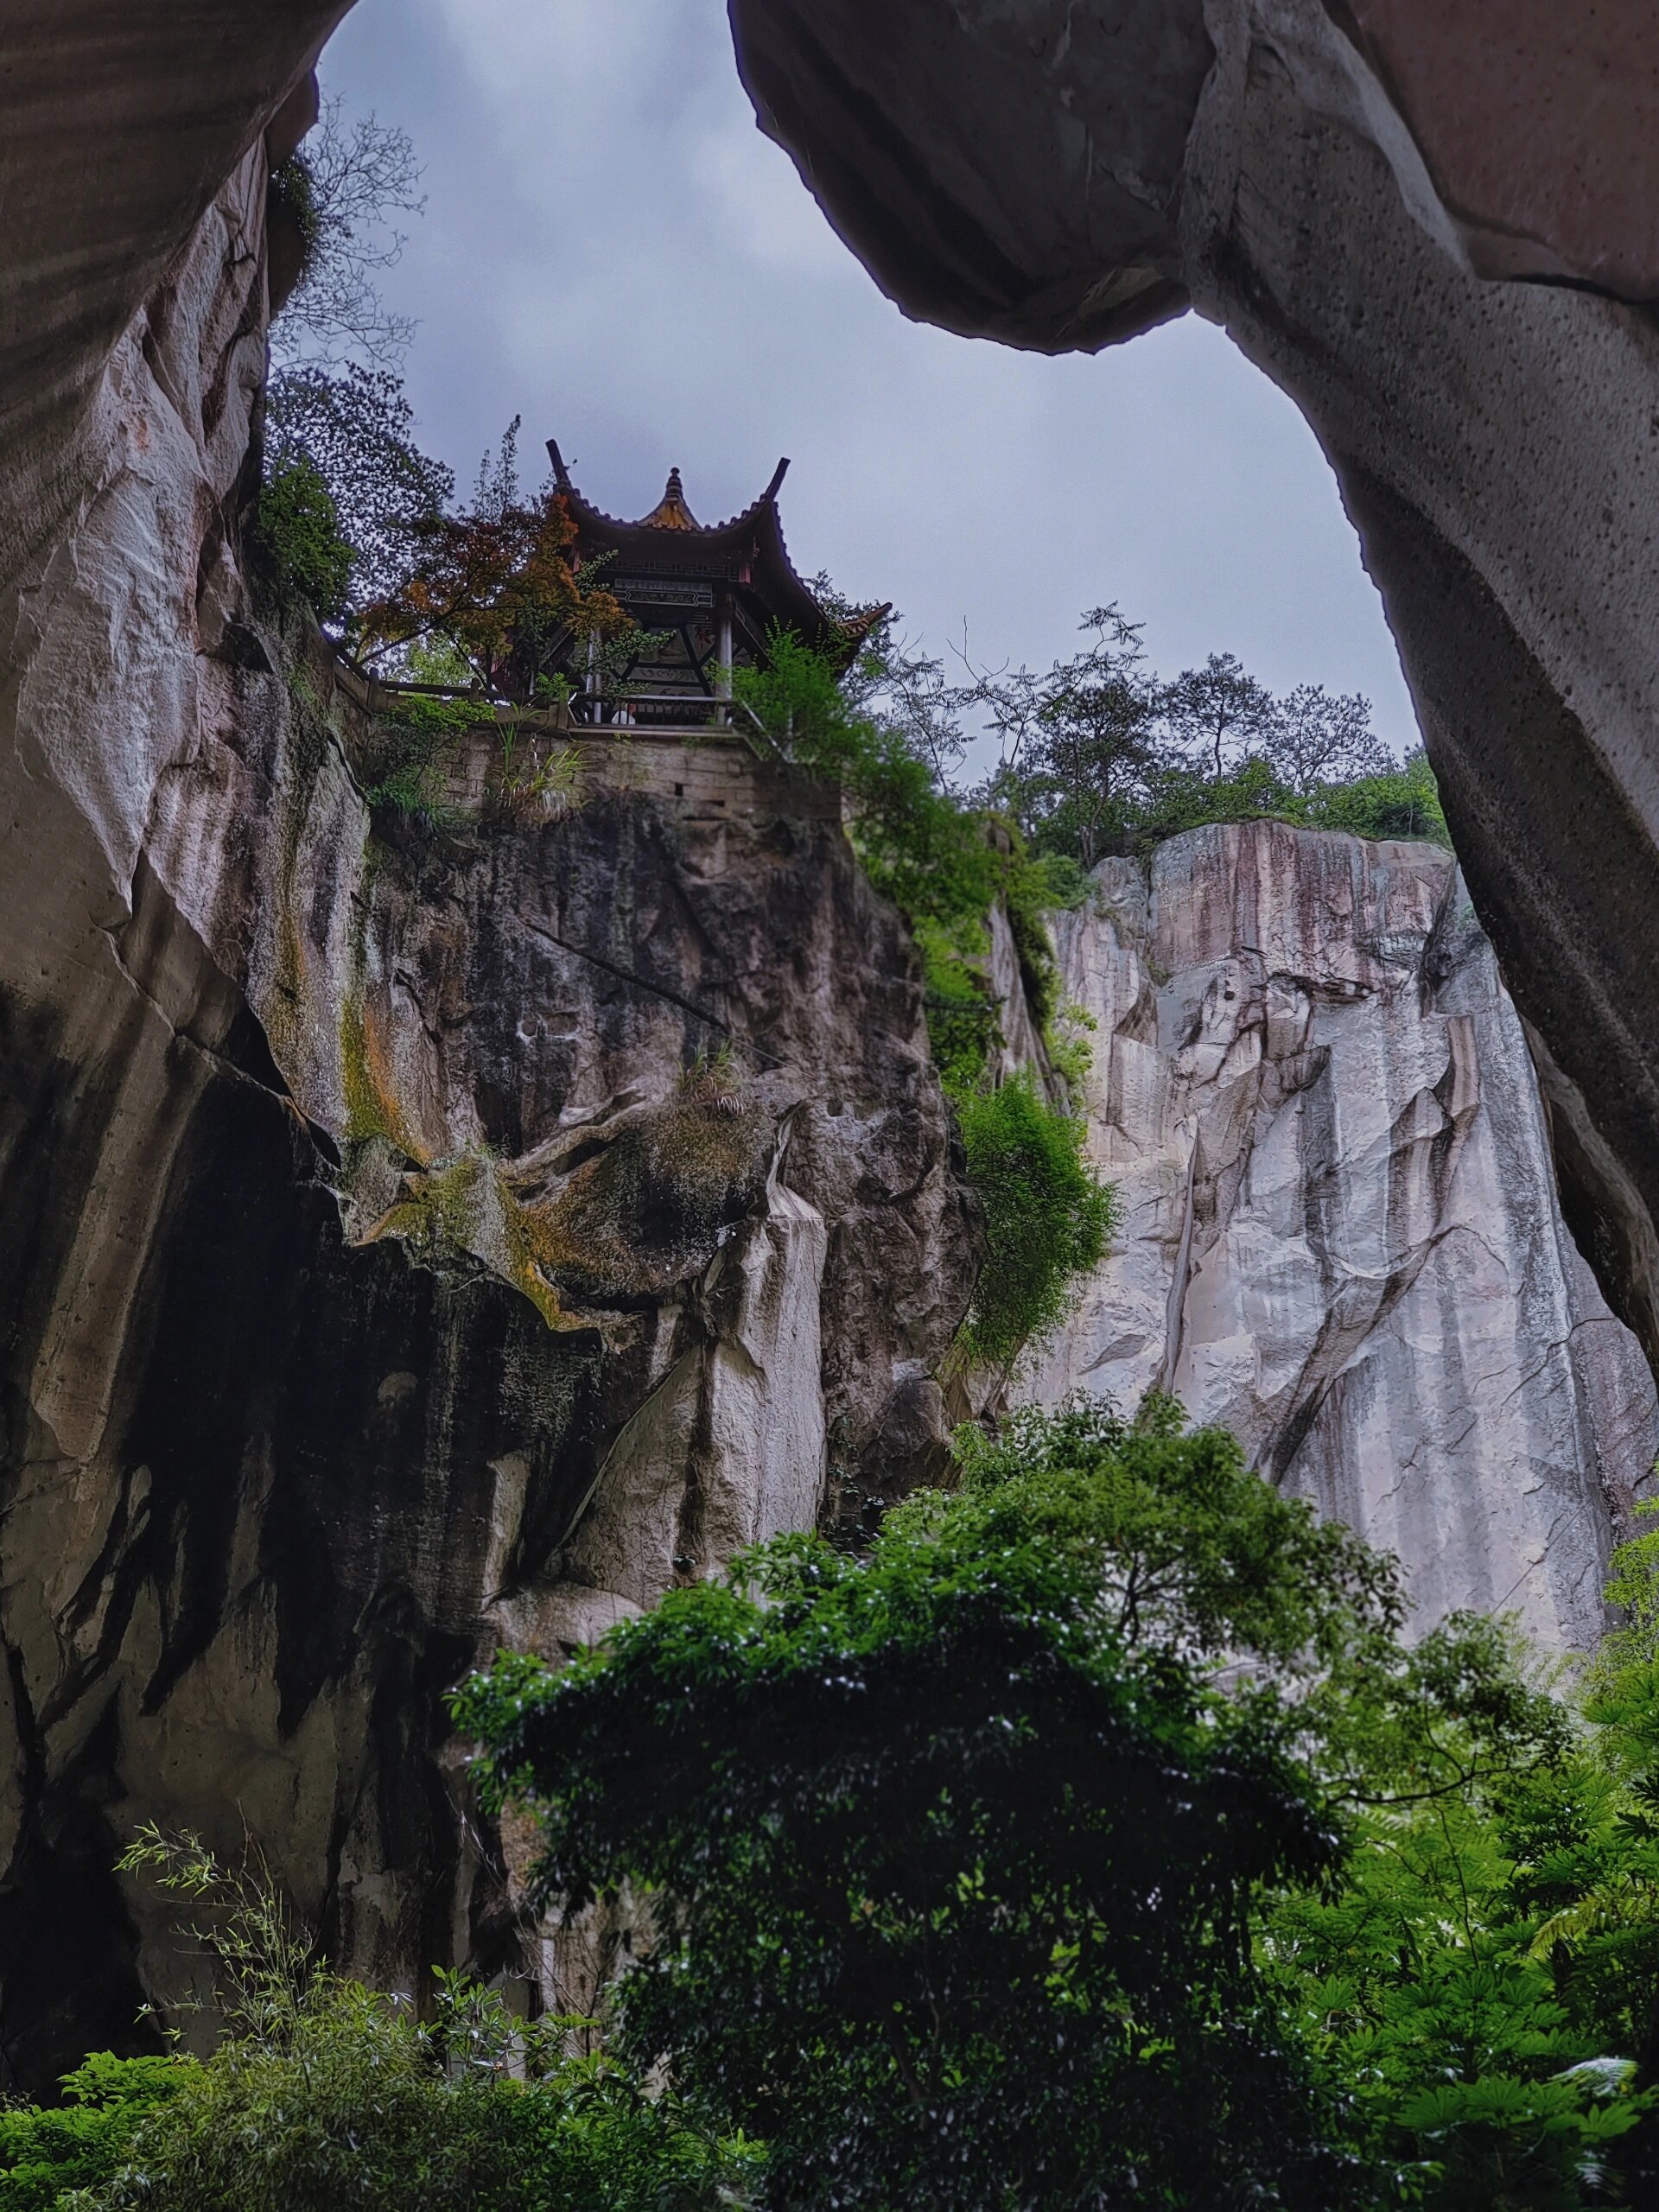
747,550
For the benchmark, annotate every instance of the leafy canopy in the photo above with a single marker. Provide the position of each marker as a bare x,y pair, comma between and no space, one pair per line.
1099,754
950,1857
354,428
1100,1838
497,585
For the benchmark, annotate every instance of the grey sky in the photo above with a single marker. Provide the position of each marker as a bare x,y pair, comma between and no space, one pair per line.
613,250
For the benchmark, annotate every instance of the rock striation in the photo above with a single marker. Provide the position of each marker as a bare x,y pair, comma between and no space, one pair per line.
1340,1232
121,123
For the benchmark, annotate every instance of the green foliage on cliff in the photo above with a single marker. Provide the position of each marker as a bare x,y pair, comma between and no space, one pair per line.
414,749
296,536
946,863
293,192
922,848
1048,1218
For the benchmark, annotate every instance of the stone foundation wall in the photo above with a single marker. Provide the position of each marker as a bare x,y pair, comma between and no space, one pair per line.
710,772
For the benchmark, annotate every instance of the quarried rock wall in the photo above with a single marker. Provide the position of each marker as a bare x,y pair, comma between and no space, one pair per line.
1341,1236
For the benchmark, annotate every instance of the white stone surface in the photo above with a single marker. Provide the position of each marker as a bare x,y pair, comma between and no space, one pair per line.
1340,1234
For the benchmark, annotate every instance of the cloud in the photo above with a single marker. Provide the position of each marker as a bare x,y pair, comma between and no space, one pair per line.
611,249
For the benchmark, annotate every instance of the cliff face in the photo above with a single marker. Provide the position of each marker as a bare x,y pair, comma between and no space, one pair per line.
1341,1238
413,1241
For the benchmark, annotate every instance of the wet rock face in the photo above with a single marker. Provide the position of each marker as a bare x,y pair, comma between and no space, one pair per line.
1341,1238
1352,186
410,1240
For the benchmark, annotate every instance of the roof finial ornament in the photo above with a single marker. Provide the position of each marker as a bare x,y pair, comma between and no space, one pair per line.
671,512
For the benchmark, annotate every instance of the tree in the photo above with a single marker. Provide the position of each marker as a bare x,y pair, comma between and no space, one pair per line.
1218,712
353,431
908,1832
1076,743
497,585
336,419
1403,801
950,1857
898,687
1098,753
344,186
1477,1976
1314,737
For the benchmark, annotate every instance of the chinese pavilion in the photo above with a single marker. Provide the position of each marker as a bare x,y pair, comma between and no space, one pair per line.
706,595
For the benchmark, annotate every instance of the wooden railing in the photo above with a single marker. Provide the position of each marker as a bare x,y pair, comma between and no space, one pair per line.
660,711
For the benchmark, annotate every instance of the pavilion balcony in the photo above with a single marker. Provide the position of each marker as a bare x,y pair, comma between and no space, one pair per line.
661,710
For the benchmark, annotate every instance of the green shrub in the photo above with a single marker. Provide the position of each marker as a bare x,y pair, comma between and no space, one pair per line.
1401,803
924,848
1071,1053
297,530
83,2143
963,1025
362,2104
293,190
1028,891
324,2095
412,751
1181,798
1048,1217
